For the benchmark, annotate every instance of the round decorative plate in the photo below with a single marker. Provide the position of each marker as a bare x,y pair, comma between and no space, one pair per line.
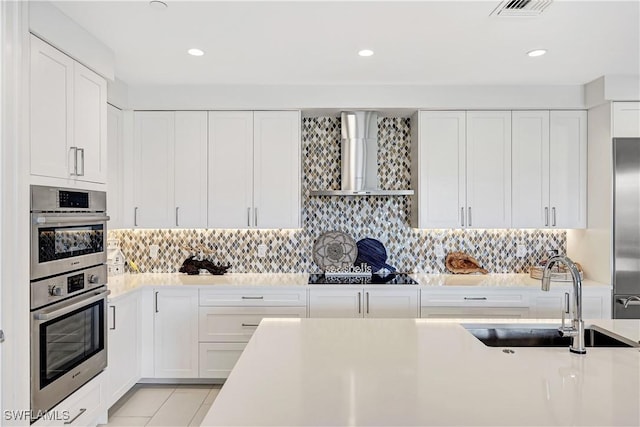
334,249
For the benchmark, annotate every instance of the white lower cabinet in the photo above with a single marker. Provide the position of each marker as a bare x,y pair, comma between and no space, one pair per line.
123,366
363,302
175,333
85,407
596,303
229,317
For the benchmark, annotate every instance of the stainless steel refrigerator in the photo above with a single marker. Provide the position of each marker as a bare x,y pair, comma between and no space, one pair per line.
626,228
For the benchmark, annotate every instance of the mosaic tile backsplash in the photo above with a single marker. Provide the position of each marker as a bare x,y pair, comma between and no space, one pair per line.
382,218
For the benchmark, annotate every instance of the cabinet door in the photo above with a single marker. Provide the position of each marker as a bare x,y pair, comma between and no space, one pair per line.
90,123
568,169
153,170
175,332
391,303
218,359
190,169
123,359
335,303
530,169
230,201
115,165
489,169
51,111
626,119
276,180
441,176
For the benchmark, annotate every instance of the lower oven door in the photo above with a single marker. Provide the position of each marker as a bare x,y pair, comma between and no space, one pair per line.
68,347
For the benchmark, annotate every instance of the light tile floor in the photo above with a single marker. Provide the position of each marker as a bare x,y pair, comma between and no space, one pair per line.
163,405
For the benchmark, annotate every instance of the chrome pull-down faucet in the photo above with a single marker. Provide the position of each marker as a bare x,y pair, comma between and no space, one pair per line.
576,330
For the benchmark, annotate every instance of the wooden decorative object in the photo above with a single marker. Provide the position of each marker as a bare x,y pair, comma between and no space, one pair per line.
461,263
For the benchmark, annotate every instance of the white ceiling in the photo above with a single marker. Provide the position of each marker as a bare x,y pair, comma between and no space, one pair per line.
316,42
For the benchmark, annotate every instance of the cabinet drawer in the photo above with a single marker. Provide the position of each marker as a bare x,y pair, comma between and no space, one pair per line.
85,404
237,324
474,299
253,297
218,359
474,312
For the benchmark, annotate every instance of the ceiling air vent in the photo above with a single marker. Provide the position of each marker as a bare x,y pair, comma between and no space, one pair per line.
521,8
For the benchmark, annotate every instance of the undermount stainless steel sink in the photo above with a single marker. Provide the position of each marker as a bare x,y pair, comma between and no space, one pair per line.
524,336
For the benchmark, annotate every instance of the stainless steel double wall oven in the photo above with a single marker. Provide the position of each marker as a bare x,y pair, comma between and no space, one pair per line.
68,292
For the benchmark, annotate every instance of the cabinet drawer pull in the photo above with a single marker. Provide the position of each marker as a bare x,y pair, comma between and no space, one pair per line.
475,298
250,325
367,302
82,411
359,302
252,297
157,302
546,216
553,216
114,317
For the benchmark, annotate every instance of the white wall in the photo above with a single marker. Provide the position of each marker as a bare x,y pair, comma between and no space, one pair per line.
14,205
381,97
592,247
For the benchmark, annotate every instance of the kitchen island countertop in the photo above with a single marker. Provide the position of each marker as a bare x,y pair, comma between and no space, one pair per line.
400,372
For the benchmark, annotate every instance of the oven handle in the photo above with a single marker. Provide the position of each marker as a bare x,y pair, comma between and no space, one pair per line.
69,219
68,309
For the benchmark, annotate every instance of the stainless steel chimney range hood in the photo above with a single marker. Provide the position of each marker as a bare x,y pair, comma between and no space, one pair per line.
359,150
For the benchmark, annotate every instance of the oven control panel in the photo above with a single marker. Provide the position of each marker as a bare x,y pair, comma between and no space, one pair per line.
58,288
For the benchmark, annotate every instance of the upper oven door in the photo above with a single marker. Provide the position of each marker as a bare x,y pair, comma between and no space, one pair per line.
62,242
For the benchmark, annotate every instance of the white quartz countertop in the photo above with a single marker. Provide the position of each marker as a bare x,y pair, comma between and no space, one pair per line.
122,284
417,372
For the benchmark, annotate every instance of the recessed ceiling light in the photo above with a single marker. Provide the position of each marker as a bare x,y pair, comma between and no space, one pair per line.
365,52
157,4
195,52
537,52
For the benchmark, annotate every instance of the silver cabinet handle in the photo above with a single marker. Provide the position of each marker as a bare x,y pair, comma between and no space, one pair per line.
261,297
113,312
475,298
367,294
462,216
75,161
135,216
156,302
255,216
1,336
359,302
81,150
248,217
553,216
250,325
177,209
82,411
469,219
626,302
546,216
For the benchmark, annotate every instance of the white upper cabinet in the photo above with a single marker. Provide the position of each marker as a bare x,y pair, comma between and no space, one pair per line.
115,181
190,170
464,169
626,119
440,172
154,167
68,117
568,169
170,172
549,169
254,169
488,169
276,162
530,169
230,195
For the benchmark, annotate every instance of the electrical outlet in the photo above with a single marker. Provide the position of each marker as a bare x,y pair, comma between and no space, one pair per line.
521,251
439,251
262,251
153,251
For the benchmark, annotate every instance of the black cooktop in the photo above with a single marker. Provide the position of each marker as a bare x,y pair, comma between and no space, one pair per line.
374,279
